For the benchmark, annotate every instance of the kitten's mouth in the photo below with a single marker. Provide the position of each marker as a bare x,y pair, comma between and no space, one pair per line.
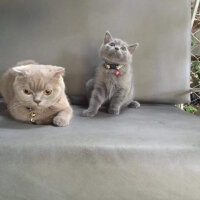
116,54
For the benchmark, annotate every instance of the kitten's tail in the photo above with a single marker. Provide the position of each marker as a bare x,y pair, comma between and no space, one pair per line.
26,62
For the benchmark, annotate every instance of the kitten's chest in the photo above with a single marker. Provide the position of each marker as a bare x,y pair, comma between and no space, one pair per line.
111,78
112,82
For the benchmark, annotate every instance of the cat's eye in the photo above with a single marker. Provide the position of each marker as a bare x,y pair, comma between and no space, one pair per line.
47,92
123,48
112,44
28,92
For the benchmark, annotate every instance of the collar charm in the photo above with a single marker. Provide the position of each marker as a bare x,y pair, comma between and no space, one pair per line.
32,115
114,66
117,72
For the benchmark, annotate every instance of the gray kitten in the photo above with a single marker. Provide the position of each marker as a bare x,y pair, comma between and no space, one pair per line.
113,83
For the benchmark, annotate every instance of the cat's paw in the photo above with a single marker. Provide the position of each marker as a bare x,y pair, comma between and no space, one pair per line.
88,113
134,104
60,121
114,111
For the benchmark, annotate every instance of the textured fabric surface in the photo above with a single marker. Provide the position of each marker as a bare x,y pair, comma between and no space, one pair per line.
69,33
151,153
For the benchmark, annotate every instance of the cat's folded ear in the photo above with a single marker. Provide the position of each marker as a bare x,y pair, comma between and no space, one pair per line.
19,70
26,62
21,67
59,71
132,47
108,37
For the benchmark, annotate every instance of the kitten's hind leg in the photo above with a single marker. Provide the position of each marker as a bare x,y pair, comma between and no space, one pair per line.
134,104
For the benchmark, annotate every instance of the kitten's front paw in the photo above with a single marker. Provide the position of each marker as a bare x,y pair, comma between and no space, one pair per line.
60,121
114,111
88,113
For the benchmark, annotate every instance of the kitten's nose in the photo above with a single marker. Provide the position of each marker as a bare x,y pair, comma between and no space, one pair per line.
37,101
116,48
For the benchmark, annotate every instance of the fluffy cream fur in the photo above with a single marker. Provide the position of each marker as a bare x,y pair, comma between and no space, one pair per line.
36,79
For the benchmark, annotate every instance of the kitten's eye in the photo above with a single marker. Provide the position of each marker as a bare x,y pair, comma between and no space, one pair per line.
28,92
47,92
112,44
123,48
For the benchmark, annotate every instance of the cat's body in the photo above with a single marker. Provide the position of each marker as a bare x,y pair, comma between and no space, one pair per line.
36,93
111,85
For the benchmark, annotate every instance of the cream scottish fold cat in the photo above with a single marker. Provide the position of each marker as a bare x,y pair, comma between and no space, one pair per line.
36,93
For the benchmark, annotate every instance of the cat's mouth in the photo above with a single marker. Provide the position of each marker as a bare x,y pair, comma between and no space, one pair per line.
35,105
115,53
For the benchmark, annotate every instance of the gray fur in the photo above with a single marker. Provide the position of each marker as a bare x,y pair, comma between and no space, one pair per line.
117,91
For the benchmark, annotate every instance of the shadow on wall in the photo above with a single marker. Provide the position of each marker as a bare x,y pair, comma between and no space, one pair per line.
80,66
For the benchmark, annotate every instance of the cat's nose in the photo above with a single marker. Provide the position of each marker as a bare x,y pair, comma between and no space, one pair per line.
37,101
116,48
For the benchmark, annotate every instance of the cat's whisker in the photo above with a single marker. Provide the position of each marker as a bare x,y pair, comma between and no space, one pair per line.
13,107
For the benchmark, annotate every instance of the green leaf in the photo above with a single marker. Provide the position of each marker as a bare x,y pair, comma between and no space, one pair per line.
190,109
195,66
192,43
195,63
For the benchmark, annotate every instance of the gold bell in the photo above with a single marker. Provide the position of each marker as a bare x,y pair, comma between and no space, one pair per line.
118,67
107,66
32,116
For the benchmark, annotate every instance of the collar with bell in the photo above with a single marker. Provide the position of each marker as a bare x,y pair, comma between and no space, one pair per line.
117,67
32,114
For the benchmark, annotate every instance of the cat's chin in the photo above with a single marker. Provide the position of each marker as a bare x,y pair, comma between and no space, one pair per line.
113,61
108,60
41,107
37,106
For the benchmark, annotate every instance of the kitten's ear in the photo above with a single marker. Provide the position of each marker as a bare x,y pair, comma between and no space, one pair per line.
18,71
59,71
132,47
108,37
